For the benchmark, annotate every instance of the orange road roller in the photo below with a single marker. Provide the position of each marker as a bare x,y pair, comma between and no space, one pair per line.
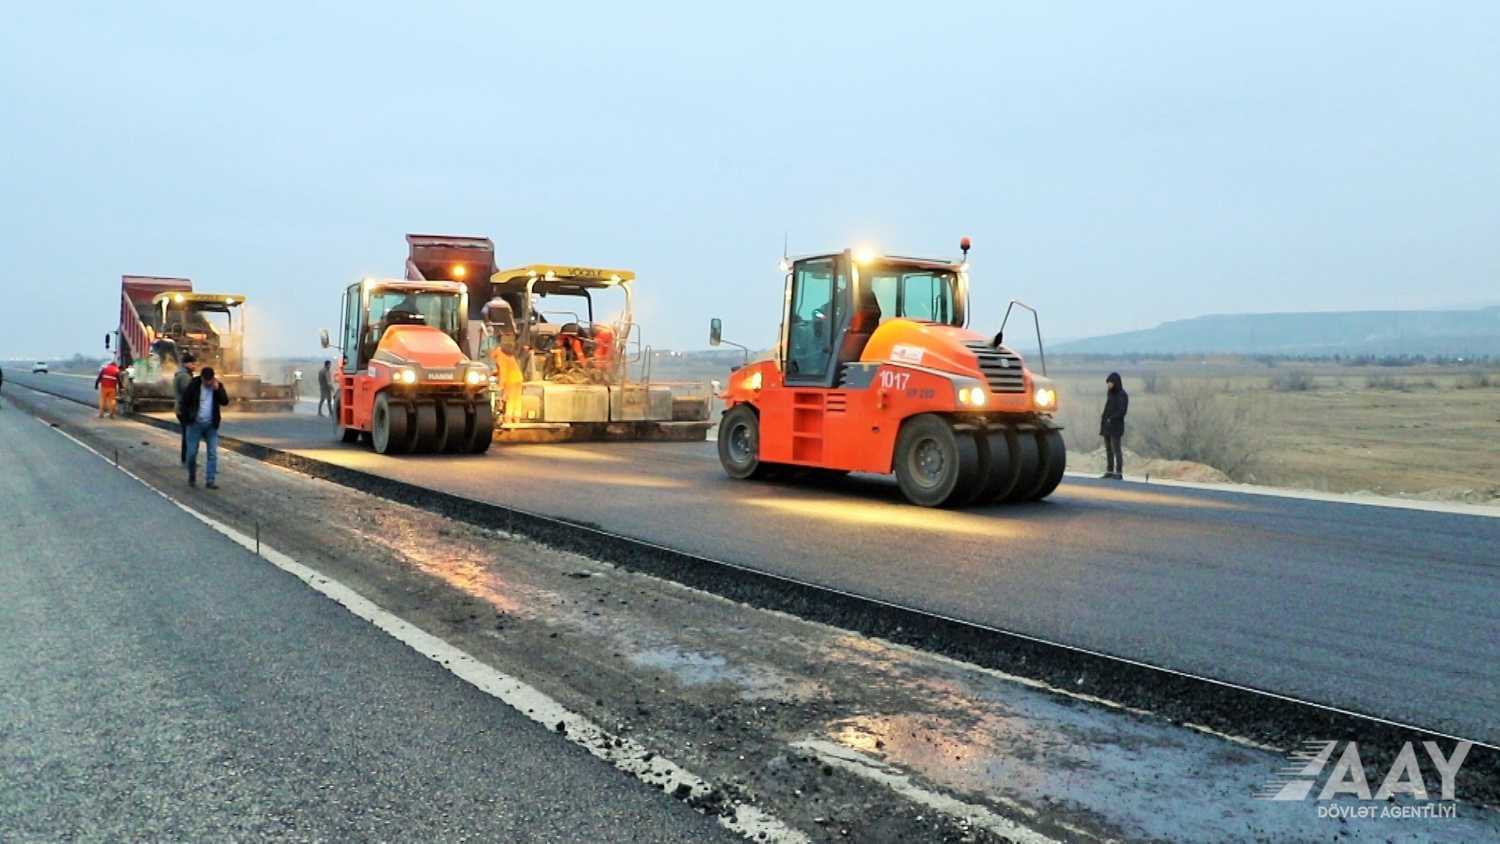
403,382
875,371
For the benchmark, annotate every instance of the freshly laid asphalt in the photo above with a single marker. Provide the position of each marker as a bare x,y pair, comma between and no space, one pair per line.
158,682
1387,611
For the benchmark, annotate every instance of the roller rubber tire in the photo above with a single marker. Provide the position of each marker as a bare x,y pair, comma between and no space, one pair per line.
1026,457
998,470
453,425
739,444
481,430
426,434
936,466
390,426
1054,460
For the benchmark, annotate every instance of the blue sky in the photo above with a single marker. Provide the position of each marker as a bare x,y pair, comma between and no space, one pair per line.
1116,164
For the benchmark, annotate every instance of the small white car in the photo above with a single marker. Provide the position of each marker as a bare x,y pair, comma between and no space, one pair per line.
39,368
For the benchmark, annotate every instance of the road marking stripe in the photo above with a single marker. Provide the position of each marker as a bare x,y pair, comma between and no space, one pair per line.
876,771
623,753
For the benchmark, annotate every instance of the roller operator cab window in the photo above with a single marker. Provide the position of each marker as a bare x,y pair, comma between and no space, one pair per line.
913,293
814,317
405,307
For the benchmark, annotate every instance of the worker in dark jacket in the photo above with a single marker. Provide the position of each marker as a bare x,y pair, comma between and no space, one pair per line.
325,387
180,383
1112,426
199,415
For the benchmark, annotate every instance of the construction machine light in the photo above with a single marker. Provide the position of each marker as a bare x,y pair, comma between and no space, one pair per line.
229,300
406,376
785,265
179,299
753,382
973,396
475,377
459,271
1045,397
865,254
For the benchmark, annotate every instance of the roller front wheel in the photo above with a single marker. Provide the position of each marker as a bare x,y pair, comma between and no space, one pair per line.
739,443
390,426
936,466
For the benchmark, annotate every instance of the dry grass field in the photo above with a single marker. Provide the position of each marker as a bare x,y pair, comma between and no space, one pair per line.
1428,431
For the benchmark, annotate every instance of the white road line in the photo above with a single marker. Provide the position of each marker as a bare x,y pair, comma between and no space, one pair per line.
625,754
876,771
1455,508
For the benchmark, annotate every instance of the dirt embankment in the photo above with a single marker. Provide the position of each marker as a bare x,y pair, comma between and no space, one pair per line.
1093,462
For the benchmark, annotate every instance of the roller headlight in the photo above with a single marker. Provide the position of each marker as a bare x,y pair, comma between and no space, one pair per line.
1045,398
475,377
973,397
406,376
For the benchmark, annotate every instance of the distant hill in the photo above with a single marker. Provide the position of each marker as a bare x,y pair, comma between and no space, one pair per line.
1380,333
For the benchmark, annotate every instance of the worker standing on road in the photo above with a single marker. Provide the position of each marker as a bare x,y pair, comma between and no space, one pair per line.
325,387
199,415
1112,427
180,383
106,382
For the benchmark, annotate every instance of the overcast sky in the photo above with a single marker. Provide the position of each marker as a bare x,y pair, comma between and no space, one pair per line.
1116,164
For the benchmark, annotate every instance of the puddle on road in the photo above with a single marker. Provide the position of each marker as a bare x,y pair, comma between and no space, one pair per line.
1106,769
691,668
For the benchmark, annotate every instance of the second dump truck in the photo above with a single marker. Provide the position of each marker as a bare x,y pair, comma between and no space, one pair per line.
161,320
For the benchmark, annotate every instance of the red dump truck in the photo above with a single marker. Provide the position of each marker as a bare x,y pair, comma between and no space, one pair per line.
161,320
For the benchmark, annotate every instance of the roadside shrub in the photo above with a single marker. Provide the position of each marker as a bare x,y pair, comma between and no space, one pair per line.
1475,381
1151,382
1386,382
1292,381
1202,423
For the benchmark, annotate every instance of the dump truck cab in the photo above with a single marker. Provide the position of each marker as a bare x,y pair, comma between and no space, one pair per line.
876,371
404,382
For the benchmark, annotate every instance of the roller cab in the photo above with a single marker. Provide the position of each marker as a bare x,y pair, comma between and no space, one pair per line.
876,371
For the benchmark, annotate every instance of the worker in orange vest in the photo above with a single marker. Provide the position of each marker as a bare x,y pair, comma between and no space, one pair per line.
107,382
508,377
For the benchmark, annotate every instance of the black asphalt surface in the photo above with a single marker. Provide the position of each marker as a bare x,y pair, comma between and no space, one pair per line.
157,682
1387,611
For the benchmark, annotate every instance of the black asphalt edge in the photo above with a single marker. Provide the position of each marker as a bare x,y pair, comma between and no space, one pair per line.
1261,716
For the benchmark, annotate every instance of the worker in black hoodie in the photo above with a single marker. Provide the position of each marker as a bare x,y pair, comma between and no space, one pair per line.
1112,426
